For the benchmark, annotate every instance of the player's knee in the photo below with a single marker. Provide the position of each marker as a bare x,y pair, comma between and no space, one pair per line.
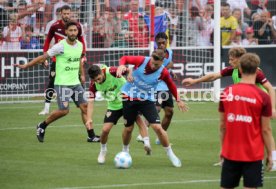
129,129
157,128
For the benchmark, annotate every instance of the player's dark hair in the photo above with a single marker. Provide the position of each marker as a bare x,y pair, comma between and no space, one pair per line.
65,7
249,63
70,23
94,71
161,35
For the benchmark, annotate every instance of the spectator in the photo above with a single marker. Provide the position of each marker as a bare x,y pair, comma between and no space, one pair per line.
133,19
259,5
97,34
208,26
200,4
109,27
12,35
237,41
122,28
3,16
240,4
228,25
249,40
264,30
143,33
29,41
173,22
237,13
195,26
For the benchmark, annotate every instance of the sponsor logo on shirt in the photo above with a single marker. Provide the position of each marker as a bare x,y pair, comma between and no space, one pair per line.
238,118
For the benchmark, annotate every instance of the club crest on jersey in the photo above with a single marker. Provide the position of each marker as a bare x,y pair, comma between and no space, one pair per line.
53,74
108,114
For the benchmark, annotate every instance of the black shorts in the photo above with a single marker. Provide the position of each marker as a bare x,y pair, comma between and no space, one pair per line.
112,116
132,108
164,99
232,171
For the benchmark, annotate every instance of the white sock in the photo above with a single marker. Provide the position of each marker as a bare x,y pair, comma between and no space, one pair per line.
169,150
146,141
103,147
125,148
274,155
47,106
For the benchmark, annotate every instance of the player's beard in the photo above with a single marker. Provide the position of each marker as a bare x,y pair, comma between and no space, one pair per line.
72,38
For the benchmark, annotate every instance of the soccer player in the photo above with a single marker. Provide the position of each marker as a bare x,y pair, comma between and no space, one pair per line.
105,81
139,96
164,96
67,83
57,31
261,81
245,112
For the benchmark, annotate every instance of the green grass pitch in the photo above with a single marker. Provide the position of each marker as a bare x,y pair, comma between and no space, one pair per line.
66,161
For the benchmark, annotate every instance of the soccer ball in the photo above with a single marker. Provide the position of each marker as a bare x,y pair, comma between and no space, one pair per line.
123,160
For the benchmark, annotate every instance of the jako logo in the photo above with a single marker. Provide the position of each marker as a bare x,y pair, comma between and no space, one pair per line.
239,118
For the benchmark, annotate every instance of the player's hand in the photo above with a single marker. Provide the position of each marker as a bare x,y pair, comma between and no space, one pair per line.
82,79
269,163
273,114
45,64
174,76
22,66
89,123
129,76
83,60
121,69
188,82
182,106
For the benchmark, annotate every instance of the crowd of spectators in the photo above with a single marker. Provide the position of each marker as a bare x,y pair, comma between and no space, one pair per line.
124,23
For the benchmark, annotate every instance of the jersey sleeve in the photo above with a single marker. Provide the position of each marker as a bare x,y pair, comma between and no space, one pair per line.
165,76
228,71
56,49
260,78
92,90
133,60
267,108
49,38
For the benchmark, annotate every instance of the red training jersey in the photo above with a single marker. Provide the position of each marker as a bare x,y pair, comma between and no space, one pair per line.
243,106
165,75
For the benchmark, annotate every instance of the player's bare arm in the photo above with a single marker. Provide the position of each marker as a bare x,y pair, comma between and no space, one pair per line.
90,110
267,85
207,78
37,60
267,136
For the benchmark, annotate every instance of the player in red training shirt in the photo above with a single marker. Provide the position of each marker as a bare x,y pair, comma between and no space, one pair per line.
57,31
245,112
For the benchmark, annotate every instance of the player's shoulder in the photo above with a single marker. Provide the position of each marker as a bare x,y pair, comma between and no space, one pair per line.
56,23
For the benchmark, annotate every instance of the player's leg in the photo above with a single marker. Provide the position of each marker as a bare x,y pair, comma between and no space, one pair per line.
143,130
111,118
252,174
49,92
130,113
231,173
148,109
63,98
273,154
166,103
80,101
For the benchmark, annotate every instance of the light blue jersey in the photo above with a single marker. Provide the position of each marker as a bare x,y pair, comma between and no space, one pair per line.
144,85
162,86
